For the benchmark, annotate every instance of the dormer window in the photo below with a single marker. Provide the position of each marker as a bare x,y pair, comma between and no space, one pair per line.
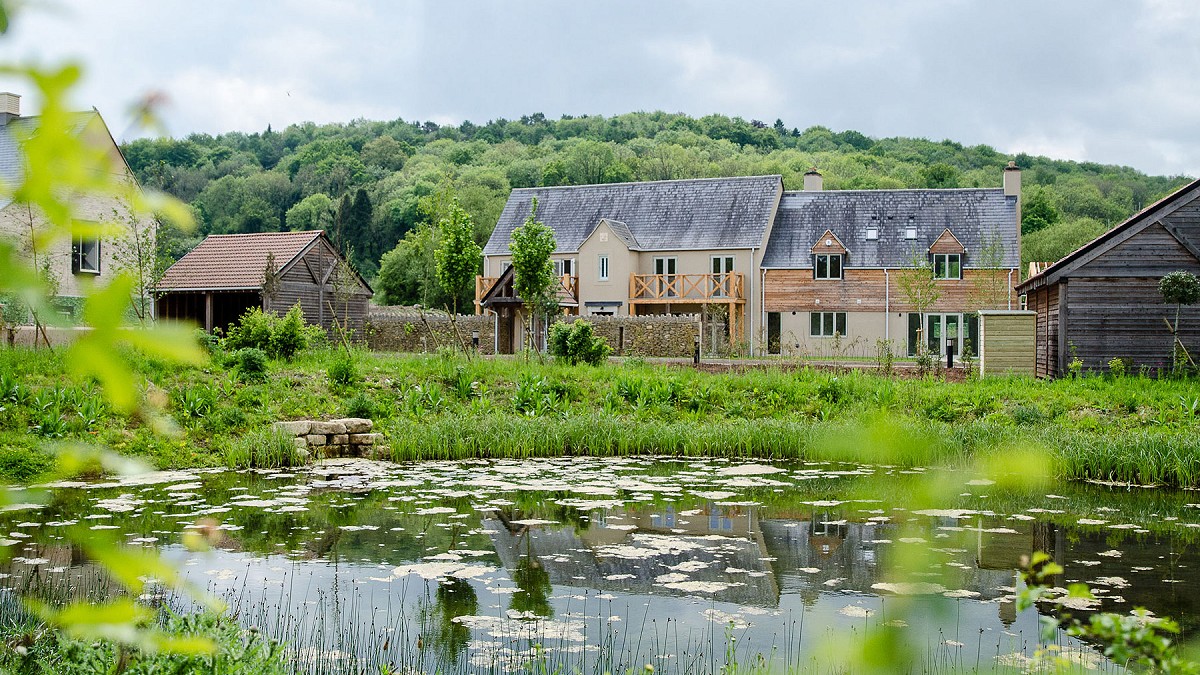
947,266
827,266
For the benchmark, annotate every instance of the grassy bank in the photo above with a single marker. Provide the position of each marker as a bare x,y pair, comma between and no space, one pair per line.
1125,429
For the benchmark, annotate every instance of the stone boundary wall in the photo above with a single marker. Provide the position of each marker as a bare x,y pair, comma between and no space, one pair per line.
347,437
388,330
655,335
403,330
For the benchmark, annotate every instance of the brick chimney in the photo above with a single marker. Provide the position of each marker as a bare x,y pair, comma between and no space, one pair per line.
10,107
813,182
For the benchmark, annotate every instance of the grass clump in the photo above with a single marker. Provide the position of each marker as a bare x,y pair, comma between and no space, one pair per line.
263,449
251,364
343,372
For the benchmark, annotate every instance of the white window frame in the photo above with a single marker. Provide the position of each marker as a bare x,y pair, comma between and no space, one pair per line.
564,267
835,318
80,247
829,258
945,261
667,277
722,267
602,267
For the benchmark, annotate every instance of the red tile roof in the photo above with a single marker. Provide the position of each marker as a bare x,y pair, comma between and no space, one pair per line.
234,261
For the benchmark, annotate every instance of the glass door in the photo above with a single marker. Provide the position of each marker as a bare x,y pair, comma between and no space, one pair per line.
941,329
664,268
722,276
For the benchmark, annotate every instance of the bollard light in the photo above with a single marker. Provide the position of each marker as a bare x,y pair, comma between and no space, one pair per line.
696,354
475,339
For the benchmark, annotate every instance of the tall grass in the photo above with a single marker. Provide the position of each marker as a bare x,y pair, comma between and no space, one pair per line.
263,449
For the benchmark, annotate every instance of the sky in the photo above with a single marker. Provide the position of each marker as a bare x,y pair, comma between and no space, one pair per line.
1110,81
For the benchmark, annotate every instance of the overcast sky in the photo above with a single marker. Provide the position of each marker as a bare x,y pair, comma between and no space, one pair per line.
1113,81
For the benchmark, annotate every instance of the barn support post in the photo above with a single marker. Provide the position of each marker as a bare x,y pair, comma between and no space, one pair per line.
208,312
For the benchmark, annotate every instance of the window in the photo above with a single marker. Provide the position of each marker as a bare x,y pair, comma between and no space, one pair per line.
910,233
826,324
872,233
85,255
947,266
603,267
828,266
564,267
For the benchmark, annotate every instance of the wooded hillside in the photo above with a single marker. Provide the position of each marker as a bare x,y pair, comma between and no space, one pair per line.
374,185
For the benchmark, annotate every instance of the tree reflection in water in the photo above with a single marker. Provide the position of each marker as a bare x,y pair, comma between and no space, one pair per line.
453,598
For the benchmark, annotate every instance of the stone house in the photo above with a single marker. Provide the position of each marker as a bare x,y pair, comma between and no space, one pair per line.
84,261
792,271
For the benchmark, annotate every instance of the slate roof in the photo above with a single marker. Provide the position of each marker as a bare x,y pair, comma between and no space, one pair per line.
706,213
974,215
12,163
622,232
234,261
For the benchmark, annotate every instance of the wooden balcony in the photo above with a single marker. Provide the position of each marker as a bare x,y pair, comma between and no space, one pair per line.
568,289
659,289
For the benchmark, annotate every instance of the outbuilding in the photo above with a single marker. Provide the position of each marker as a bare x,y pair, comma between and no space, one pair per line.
1102,301
228,274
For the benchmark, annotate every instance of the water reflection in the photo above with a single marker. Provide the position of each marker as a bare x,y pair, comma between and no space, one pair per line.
461,566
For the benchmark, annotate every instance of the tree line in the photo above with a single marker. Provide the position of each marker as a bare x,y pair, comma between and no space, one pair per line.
381,188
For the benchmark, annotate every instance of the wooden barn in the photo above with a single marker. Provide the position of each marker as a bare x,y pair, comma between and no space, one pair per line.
228,274
1102,302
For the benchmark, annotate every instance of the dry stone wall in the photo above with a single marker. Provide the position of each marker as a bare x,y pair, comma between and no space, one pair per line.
389,330
658,335
347,437
404,330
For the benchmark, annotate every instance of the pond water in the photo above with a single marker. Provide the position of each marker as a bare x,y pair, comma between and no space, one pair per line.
604,565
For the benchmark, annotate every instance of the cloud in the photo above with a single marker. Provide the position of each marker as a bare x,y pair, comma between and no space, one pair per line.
727,82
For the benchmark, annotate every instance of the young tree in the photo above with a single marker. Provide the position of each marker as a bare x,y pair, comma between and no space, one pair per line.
1180,288
989,285
136,254
458,259
920,291
533,272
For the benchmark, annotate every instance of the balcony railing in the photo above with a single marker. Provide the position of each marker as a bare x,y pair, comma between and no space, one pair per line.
728,287
568,284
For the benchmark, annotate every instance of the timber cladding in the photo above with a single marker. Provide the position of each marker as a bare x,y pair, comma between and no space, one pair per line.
871,290
1007,343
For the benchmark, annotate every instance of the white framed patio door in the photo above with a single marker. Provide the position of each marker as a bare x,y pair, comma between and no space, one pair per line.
665,269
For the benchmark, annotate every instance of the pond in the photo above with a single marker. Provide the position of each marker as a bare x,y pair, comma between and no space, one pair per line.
596,565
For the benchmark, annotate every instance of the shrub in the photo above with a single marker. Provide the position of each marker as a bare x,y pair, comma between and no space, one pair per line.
251,364
1117,367
263,449
281,338
343,372
577,342
209,342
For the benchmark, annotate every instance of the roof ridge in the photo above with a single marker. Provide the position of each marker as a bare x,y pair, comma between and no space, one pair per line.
256,234
649,182
879,190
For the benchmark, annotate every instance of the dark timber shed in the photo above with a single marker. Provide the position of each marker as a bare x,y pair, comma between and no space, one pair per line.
226,275
1102,301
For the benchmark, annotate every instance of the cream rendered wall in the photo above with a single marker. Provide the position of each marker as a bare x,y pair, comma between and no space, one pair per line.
621,263
862,329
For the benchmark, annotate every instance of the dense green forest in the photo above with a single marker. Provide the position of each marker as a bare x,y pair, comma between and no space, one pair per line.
378,187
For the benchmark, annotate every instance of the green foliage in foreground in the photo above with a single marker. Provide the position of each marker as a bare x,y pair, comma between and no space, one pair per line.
1132,428
36,651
